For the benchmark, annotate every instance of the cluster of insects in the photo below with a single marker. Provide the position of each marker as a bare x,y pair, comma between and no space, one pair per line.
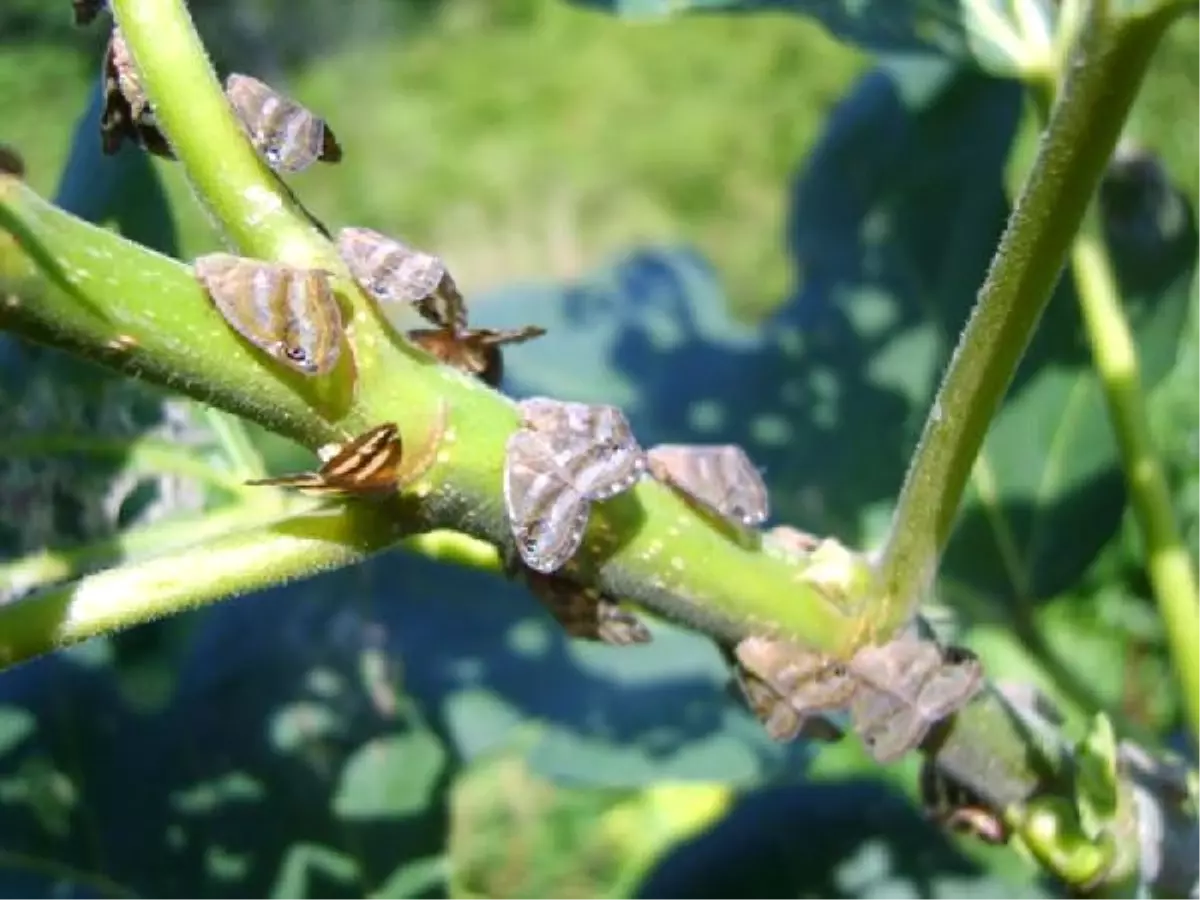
564,458
291,313
895,692
567,456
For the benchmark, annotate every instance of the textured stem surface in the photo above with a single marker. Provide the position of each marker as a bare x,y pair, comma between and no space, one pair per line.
1104,71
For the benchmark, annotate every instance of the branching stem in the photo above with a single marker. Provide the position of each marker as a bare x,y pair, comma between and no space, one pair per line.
1104,71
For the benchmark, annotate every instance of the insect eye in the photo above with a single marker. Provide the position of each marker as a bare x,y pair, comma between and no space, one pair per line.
297,355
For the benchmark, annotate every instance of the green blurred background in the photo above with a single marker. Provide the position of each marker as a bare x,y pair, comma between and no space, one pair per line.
531,141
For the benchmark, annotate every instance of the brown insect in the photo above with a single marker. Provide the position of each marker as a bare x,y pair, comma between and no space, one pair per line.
126,113
11,162
290,313
473,350
287,135
372,463
584,612
393,272
593,442
720,477
87,10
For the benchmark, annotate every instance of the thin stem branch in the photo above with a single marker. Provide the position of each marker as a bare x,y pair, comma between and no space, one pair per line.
1167,559
647,546
54,565
1104,72
224,566
141,454
240,192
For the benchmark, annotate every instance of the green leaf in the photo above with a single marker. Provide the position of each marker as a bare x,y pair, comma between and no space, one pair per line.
1049,491
390,776
419,878
876,25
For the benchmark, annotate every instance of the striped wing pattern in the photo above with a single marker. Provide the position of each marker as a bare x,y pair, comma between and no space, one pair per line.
721,477
365,465
393,272
547,515
286,134
473,350
292,314
594,443
372,463
585,612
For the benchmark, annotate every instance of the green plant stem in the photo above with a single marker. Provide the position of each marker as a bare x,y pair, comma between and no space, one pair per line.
1114,355
1103,74
51,566
79,288
1167,559
647,546
292,547
141,454
241,194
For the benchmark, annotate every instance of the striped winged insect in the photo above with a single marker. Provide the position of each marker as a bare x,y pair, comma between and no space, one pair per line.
372,463
126,113
292,314
720,477
393,272
473,350
287,135
593,443
546,513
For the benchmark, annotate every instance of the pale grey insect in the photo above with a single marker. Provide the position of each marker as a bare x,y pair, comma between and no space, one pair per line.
547,515
593,443
287,135
290,313
393,272
908,685
721,477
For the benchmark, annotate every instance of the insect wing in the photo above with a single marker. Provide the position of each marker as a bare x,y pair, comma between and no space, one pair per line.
128,78
125,113
287,135
367,464
393,272
719,477
594,443
475,351
547,515
291,314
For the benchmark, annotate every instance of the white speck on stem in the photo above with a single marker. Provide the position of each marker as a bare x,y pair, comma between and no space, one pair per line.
265,203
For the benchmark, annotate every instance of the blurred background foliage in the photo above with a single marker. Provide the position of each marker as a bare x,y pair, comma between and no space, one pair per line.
737,227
